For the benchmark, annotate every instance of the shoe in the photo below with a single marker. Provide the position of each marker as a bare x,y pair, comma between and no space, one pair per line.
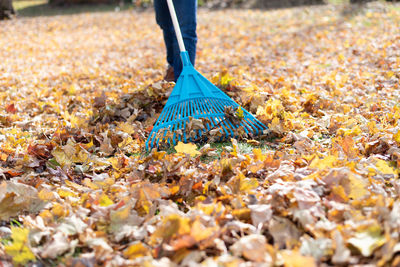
169,76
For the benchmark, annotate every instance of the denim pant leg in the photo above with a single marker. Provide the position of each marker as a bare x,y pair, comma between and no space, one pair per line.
186,11
164,21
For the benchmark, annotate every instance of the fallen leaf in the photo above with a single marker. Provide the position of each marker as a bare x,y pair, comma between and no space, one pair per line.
252,247
19,248
17,197
367,241
189,148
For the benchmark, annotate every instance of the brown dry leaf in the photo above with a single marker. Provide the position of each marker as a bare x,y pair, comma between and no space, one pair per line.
252,247
284,232
16,198
58,245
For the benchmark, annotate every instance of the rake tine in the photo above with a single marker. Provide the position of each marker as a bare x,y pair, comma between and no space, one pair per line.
257,123
247,125
192,107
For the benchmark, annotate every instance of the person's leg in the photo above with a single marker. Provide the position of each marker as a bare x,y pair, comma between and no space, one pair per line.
186,11
163,19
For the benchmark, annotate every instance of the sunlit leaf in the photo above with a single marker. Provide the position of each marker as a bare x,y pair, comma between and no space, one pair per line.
189,148
367,241
19,249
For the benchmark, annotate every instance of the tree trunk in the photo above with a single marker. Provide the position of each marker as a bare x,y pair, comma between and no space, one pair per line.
6,9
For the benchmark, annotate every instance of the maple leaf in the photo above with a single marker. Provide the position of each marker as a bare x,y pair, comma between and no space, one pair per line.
19,249
188,148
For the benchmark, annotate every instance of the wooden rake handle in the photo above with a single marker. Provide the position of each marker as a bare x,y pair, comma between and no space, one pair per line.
175,22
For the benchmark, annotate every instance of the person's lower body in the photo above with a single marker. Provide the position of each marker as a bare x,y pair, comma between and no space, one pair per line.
186,11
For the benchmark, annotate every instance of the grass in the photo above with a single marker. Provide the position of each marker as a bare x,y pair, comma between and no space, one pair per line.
395,7
244,148
34,8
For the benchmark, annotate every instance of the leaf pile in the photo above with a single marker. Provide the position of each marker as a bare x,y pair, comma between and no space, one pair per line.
80,94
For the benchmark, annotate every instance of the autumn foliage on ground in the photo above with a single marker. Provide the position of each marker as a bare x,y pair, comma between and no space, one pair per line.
80,93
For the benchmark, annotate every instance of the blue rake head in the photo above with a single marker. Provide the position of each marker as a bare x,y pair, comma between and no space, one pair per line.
196,98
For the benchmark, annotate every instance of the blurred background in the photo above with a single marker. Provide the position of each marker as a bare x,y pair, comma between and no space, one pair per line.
11,8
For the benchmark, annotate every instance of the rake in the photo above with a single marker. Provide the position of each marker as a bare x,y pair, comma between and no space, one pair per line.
194,97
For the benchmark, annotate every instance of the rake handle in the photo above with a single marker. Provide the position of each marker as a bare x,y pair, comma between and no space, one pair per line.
175,22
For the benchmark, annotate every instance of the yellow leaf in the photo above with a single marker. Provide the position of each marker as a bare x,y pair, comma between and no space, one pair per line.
327,162
248,184
72,89
226,166
171,226
357,187
383,167
396,137
389,74
173,190
200,232
121,214
271,109
87,182
242,184
46,195
258,154
19,250
3,156
276,126
368,240
136,250
46,215
295,259
210,208
59,210
240,113
339,191
81,156
75,186
126,128
158,155
355,131
143,202
61,157
115,163
105,201
65,192
189,148
88,145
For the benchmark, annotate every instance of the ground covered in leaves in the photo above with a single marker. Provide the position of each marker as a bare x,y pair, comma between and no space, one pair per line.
80,93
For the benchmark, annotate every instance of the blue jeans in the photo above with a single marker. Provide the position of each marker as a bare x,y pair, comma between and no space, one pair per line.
186,12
